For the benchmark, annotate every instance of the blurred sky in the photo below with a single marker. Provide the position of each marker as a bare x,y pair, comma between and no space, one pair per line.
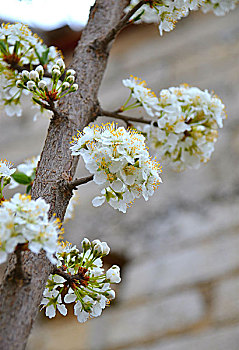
47,14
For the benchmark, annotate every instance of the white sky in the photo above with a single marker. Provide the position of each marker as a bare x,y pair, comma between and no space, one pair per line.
47,14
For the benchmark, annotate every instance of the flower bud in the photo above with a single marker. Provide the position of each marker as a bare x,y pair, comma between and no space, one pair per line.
85,243
31,85
70,79
39,69
65,86
110,294
25,75
98,249
42,84
70,72
61,64
33,75
55,67
56,73
19,84
74,87
106,248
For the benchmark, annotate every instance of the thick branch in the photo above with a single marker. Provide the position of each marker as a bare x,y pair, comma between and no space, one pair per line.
125,118
18,306
72,185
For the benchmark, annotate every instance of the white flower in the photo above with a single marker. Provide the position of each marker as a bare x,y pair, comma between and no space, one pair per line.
185,130
24,220
120,162
142,94
71,207
87,284
113,274
164,12
219,7
6,169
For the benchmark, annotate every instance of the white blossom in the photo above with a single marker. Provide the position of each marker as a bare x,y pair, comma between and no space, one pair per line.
6,169
219,7
85,283
23,220
185,130
120,162
164,12
142,94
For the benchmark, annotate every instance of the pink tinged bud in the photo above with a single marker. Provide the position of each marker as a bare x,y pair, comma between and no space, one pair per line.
31,85
33,75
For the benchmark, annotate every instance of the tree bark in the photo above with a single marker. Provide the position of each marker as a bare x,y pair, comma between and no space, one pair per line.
20,299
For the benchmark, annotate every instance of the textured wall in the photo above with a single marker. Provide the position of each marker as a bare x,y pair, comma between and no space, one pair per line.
180,288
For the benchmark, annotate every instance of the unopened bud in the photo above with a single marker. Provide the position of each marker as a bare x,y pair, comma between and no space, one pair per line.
31,85
70,79
70,72
42,84
25,75
65,86
61,64
39,69
33,75
74,87
85,243
19,84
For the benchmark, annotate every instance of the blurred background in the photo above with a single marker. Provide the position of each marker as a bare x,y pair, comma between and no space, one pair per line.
179,252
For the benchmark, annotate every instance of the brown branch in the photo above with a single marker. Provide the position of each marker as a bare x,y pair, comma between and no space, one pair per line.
72,185
125,118
121,24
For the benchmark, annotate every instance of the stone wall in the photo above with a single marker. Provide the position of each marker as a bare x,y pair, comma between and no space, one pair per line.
180,279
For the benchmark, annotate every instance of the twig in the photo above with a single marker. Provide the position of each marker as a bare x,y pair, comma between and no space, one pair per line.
72,185
125,118
121,24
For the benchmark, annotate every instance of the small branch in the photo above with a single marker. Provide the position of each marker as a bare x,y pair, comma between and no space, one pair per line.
72,185
121,24
125,118
62,273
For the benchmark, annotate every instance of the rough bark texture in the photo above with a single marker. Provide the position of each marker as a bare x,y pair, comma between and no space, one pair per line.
19,300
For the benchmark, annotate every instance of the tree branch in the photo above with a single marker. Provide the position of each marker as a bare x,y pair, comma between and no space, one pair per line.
121,24
125,118
77,182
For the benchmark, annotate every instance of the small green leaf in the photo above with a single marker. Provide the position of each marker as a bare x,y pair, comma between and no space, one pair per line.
21,178
139,16
3,47
44,57
16,47
28,188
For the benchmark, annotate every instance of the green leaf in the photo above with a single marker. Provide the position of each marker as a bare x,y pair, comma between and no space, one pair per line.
16,47
21,178
44,57
3,47
28,188
139,16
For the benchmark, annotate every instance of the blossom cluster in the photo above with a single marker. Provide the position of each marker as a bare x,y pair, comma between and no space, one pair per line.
80,279
120,162
219,7
19,47
185,130
23,220
164,12
46,91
